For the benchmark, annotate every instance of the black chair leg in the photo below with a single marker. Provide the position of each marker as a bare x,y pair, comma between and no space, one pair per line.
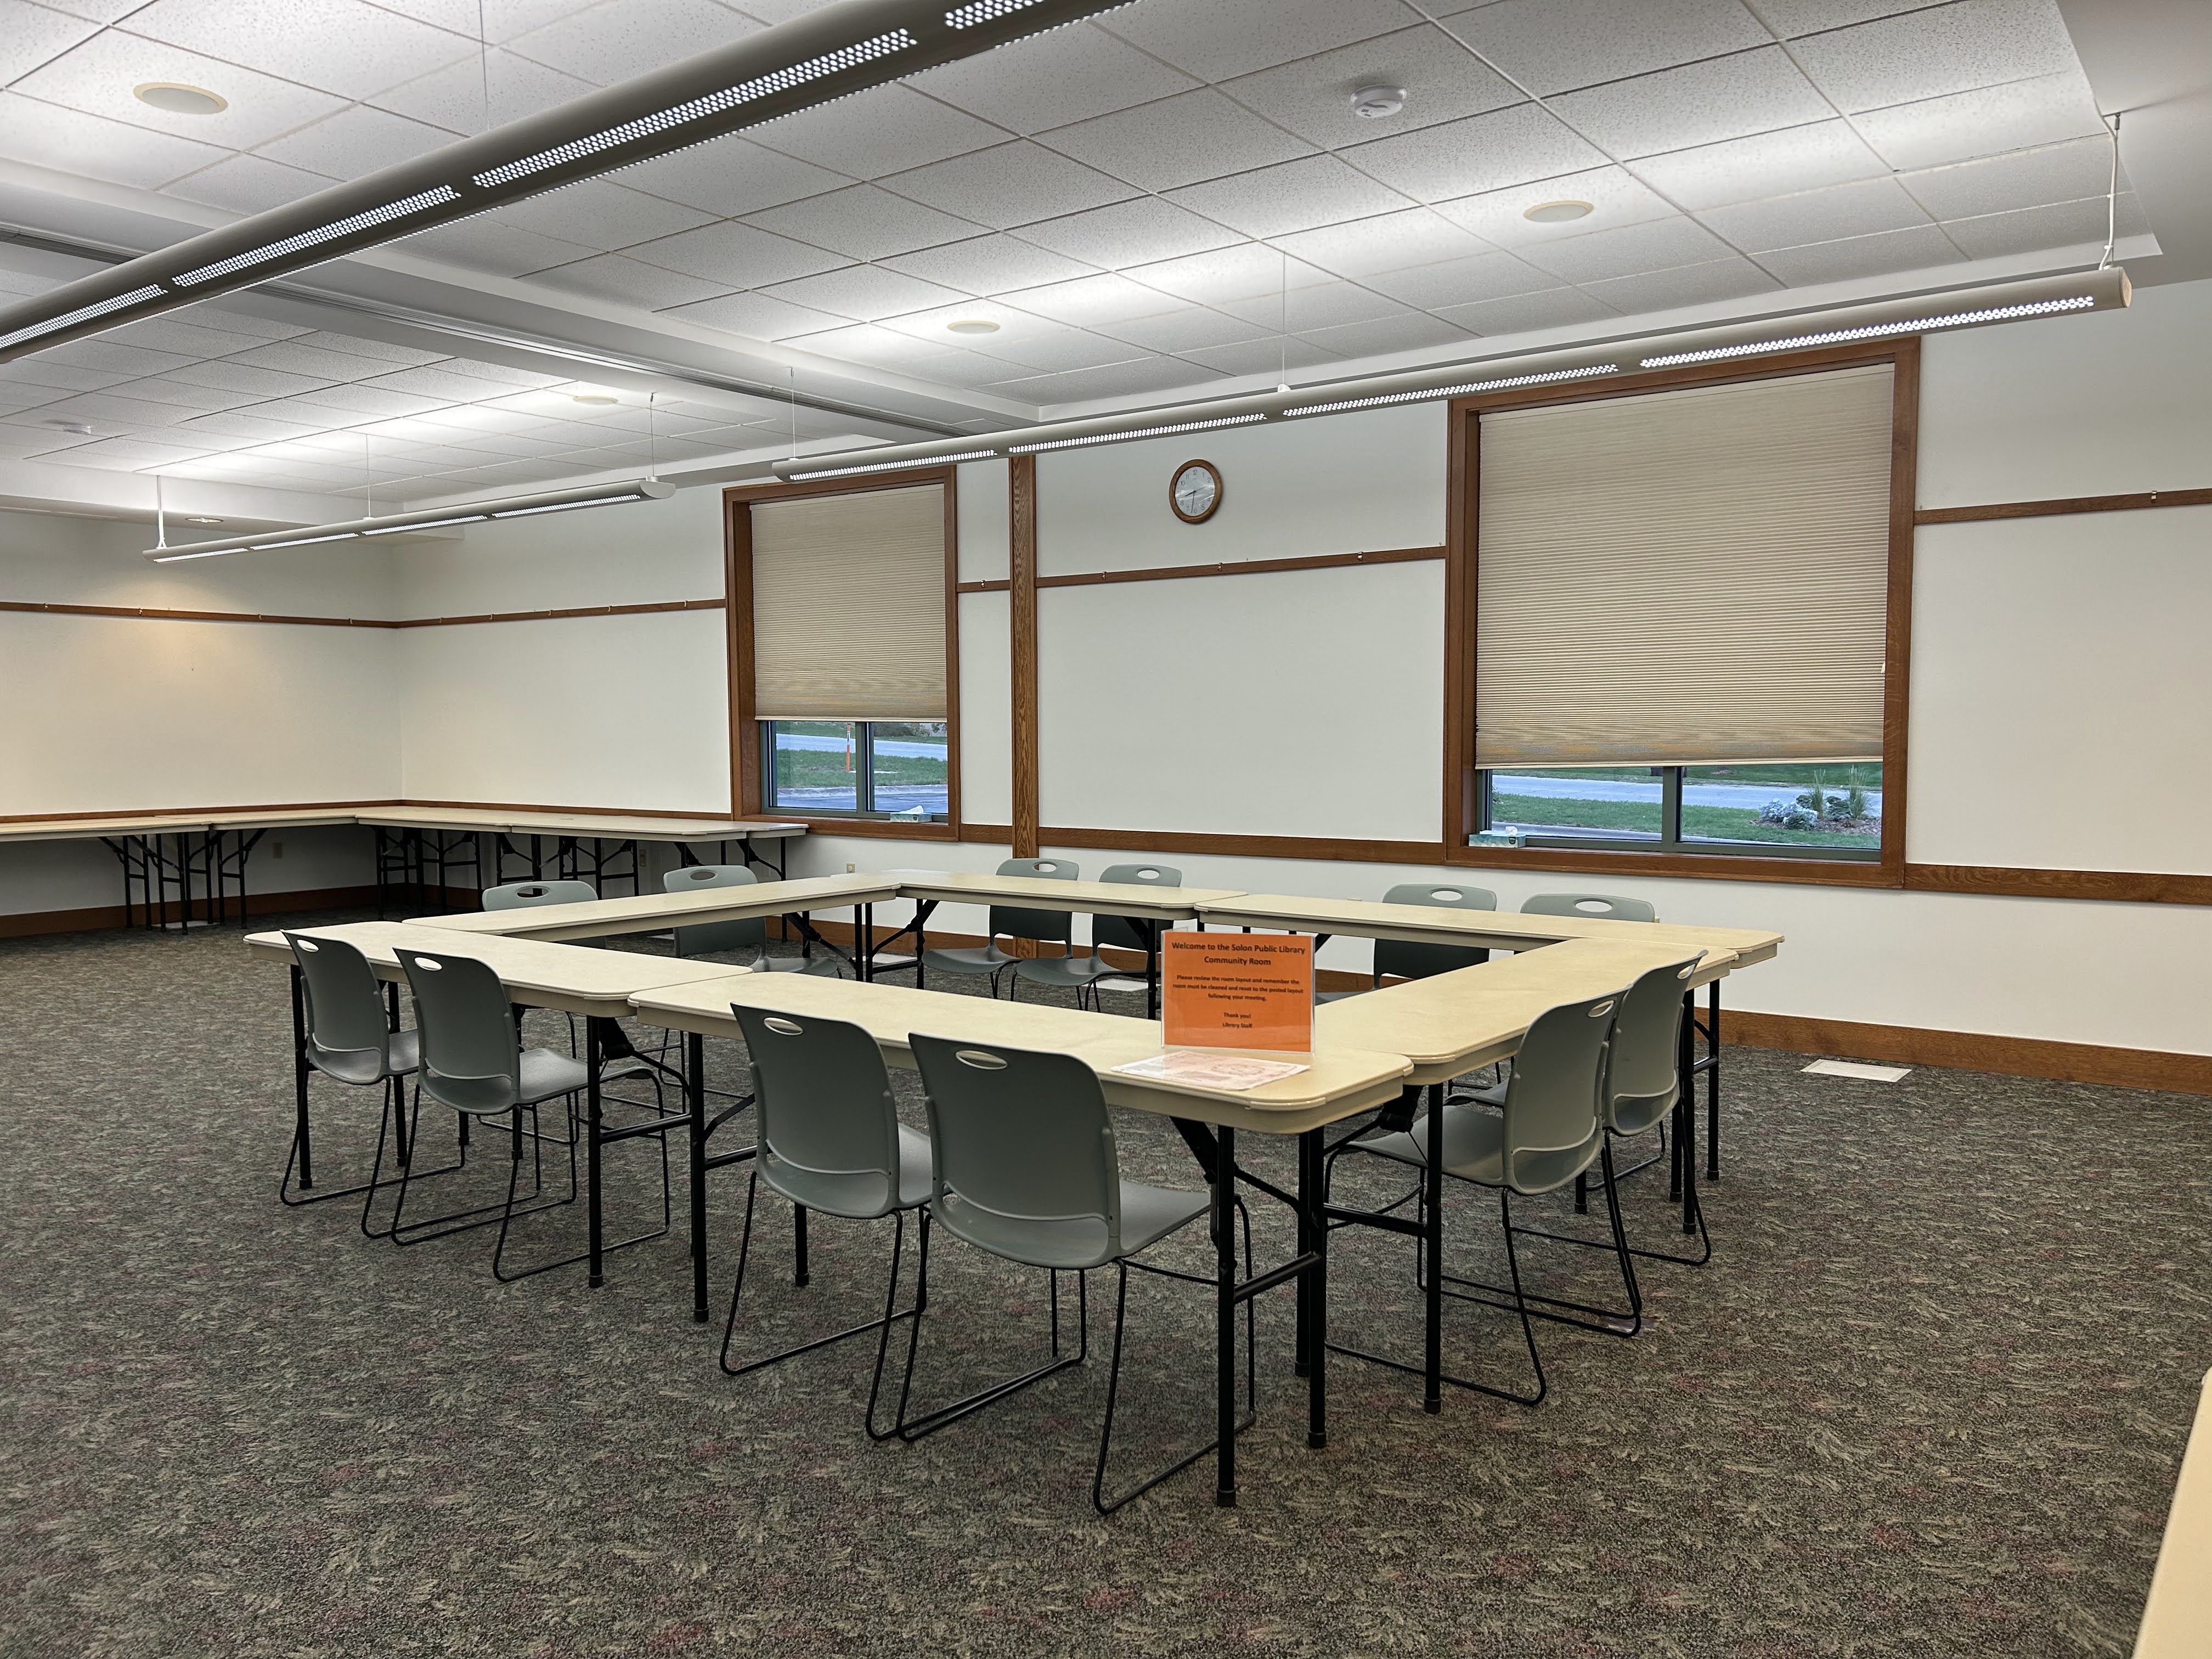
913,1428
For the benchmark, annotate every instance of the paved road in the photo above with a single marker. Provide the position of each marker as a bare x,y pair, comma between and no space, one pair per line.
1753,796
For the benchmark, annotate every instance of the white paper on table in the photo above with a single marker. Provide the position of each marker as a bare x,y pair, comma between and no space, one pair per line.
1202,1071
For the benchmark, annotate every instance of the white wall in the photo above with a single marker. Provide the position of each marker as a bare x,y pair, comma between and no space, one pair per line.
986,729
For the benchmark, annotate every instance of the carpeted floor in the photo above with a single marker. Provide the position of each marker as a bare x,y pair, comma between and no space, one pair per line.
1928,1400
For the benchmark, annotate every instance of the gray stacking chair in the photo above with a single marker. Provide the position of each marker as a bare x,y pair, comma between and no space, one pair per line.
621,1060
1409,959
515,894
1026,1168
348,1036
473,1062
830,1140
1605,907
1549,1129
1011,921
713,938
1082,973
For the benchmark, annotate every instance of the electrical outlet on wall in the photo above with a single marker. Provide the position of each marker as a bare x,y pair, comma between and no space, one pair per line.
851,868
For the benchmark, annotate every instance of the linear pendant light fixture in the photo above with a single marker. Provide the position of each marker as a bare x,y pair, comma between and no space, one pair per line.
2090,290
826,55
436,518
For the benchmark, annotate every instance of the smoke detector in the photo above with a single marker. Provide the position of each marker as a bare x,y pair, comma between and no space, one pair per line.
1377,103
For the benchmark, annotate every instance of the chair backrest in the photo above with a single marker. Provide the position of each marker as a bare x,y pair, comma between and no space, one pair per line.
710,937
828,1133
516,895
1120,931
1012,921
346,1025
1405,959
1553,1131
1605,906
1642,1066
1026,1163
471,1055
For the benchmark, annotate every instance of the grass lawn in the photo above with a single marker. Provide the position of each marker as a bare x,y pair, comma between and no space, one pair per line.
824,768
1720,823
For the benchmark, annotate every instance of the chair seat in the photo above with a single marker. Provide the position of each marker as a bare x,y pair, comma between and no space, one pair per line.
821,967
916,1167
985,959
1474,1150
1067,973
1149,1214
1338,996
547,1074
403,1053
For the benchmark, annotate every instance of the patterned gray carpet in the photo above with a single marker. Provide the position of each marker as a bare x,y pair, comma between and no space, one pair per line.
1929,1399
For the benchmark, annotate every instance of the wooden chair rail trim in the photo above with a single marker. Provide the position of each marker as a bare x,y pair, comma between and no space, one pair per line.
188,816
1168,573
154,614
2057,507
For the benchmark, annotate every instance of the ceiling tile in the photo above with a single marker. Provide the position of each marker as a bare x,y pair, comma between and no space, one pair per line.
1554,45
1655,245
1766,164
1410,331
1521,313
1312,97
320,364
1186,329
185,332
1065,350
30,35
600,214
1482,153
863,221
1863,209
48,135
1129,233
1247,270
1090,300
108,410
736,256
501,372
360,345
988,264
1214,40
1177,141
757,317
343,46
1117,380
623,281
248,184
1499,216
1028,342
1458,282
1931,53
1327,305
233,376
355,142
864,292
888,129
1922,247
2048,109
98,78
1392,241
43,370
441,383
730,177
454,97
1068,74
1293,196
2005,184
111,356
1010,185
882,348
1790,18
1272,356
1686,285
346,405
488,244
626,37
2063,225
1697,104
232,315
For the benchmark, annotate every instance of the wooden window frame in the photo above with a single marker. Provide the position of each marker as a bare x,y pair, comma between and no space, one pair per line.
1461,598
746,800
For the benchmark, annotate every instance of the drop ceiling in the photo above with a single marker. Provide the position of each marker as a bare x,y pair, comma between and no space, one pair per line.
1171,201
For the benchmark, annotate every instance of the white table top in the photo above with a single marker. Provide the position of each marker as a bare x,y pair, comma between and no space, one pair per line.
1100,898
1340,1082
2178,1615
601,826
1452,1023
651,913
536,974
1504,930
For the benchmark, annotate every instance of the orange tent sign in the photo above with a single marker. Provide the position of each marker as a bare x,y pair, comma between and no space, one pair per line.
1238,990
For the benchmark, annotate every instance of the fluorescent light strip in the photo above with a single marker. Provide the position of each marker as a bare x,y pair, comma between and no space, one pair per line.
426,524
1873,331
1140,432
902,466
211,553
301,541
551,506
1456,391
329,233
782,80
983,11
100,308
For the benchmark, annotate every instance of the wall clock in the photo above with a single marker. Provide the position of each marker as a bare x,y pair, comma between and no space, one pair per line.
1194,491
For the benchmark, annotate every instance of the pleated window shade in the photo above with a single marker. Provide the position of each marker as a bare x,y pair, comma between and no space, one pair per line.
849,606
1697,576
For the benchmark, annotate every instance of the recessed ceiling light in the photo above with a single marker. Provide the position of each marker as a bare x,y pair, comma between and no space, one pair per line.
194,520
595,397
1558,213
82,428
973,325
178,98
1375,103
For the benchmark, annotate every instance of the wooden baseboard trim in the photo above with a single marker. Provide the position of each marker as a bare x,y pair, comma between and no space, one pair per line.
32,924
1973,1051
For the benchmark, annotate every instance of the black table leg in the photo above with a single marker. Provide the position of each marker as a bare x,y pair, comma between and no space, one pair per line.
592,1125
1313,1303
1151,970
1433,1247
695,1102
300,1080
1224,1223
1713,1081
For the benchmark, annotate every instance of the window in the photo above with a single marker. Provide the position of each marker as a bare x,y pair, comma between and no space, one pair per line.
1677,616
842,665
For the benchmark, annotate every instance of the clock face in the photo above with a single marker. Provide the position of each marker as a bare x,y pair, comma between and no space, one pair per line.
1194,492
